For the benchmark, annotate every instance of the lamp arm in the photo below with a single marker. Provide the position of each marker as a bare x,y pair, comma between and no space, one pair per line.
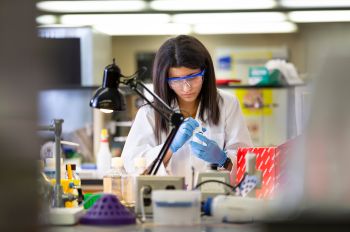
160,111
134,83
155,96
157,162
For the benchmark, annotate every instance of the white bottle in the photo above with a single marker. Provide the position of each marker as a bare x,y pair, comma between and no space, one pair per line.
129,193
113,181
104,155
236,209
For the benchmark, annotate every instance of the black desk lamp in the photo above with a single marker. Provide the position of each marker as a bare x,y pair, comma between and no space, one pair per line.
108,99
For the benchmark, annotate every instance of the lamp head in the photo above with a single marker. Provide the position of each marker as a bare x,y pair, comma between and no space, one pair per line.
108,98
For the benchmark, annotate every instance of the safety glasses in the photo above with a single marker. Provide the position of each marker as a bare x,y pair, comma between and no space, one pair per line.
190,80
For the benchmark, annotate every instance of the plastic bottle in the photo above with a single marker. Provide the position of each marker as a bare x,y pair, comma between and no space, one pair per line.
235,209
130,182
104,155
113,181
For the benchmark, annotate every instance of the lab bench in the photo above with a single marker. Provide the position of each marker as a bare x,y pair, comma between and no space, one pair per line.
207,225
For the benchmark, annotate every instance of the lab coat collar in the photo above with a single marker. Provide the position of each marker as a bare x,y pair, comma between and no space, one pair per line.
175,106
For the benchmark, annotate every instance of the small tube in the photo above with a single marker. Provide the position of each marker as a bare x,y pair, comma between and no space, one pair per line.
69,172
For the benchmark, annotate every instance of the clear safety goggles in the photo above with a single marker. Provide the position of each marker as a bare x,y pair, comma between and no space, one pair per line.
190,80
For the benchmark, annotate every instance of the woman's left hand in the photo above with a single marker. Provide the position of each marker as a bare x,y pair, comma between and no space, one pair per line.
210,152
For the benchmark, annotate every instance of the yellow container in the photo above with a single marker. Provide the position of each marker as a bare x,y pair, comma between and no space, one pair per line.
67,189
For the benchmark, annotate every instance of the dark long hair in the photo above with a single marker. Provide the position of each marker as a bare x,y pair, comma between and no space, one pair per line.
185,51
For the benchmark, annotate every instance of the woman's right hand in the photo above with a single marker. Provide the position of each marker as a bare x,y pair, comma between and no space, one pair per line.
183,134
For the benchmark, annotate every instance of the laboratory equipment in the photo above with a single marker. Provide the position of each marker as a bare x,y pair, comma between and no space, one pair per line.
108,98
251,170
251,162
72,185
58,215
211,189
145,185
71,192
233,209
65,216
108,211
73,174
56,127
176,207
104,155
113,181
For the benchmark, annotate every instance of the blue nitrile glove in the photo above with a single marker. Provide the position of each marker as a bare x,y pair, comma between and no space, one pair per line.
183,134
210,152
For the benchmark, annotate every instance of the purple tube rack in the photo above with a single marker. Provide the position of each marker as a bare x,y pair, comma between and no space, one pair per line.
108,211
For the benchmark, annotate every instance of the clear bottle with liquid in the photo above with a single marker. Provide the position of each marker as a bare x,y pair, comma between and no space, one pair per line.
113,181
104,155
130,182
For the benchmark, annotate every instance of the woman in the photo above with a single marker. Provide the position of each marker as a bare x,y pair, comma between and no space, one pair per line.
183,76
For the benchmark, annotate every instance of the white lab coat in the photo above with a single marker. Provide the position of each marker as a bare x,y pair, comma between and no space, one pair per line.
230,133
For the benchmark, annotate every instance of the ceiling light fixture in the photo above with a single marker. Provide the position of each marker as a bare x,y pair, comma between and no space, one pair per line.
46,19
149,29
91,6
245,28
319,16
177,5
113,19
229,17
315,3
